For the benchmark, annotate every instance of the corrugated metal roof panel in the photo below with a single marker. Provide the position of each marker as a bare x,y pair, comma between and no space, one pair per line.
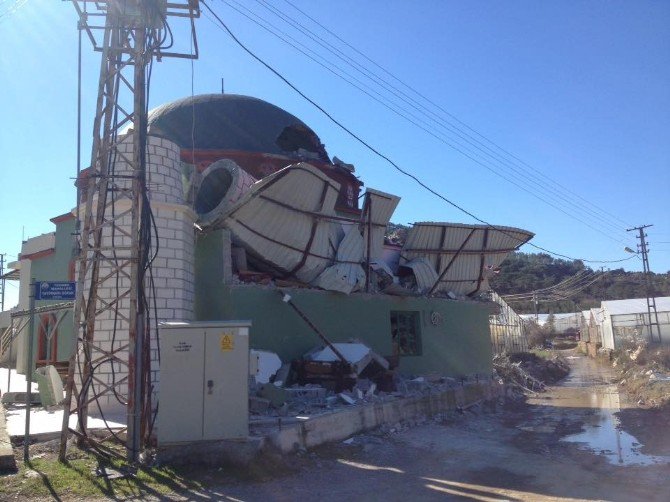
465,256
347,275
382,205
283,221
424,274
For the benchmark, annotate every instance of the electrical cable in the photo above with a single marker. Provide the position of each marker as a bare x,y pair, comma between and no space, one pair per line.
377,152
580,274
447,113
436,118
154,40
561,291
556,201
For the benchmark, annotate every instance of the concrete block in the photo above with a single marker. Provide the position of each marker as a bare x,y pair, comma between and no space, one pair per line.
258,405
276,395
212,453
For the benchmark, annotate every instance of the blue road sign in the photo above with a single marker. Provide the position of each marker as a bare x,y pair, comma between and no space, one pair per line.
56,290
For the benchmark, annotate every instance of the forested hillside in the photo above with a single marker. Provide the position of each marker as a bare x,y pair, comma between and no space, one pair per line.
524,272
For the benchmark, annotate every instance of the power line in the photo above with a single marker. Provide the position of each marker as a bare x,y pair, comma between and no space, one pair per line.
434,116
475,148
14,6
561,291
225,27
447,113
566,282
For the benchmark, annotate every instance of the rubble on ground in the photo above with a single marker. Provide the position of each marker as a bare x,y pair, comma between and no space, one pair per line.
368,378
644,373
528,371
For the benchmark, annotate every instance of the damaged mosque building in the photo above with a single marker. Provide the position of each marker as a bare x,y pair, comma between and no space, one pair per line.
255,222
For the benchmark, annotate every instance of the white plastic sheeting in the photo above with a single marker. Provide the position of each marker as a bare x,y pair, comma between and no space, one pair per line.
266,364
464,256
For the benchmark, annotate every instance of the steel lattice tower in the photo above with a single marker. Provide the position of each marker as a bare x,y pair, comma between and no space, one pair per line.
129,34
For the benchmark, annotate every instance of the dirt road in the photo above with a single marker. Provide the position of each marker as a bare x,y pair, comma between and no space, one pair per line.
564,444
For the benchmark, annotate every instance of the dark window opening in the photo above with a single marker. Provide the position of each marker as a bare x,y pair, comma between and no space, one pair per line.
406,333
297,136
212,190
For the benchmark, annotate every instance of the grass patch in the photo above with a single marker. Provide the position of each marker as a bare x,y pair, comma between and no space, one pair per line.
44,477
80,479
543,354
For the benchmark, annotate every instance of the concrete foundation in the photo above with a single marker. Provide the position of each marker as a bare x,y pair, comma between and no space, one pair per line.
286,435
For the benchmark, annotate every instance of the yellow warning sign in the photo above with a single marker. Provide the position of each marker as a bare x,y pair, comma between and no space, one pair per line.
227,342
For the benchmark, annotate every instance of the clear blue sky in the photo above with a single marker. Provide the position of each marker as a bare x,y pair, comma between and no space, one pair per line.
578,90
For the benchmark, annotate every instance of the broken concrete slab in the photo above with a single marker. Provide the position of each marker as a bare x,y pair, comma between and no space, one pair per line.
276,395
20,398
258,405
306,394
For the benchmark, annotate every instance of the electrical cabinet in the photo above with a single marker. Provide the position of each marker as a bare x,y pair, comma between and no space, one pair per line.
204,374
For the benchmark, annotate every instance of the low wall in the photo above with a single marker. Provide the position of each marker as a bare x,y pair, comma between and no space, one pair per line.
342,424
286,435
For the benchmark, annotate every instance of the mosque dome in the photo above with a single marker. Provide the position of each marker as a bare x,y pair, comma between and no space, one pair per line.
235,123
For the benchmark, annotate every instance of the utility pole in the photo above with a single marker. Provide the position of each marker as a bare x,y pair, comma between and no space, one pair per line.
129,34
651,300
2,283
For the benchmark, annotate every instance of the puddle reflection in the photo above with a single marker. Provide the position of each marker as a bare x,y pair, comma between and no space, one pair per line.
590,386
604,435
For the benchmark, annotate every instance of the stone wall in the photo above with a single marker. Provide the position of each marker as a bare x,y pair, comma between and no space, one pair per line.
170,288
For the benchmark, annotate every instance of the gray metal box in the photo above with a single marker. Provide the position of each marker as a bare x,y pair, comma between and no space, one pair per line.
203,381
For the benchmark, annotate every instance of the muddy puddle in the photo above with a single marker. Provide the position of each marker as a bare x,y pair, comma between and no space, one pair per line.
590,391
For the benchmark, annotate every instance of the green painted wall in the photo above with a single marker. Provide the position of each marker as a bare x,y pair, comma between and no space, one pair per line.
459,345
56,267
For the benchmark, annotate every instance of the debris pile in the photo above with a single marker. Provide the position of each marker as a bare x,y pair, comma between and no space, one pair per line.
528,371
645,373
331,377
285,229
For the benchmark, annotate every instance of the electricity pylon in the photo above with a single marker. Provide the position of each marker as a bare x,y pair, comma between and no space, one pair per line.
129,34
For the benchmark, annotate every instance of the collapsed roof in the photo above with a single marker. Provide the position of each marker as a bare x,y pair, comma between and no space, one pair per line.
289,227
464,256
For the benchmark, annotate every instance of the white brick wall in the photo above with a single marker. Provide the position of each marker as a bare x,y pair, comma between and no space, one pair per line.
173,268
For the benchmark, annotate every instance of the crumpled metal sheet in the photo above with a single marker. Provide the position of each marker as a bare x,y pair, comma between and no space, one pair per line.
287,222
424,274
347,275
381,206
227,177
467,271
